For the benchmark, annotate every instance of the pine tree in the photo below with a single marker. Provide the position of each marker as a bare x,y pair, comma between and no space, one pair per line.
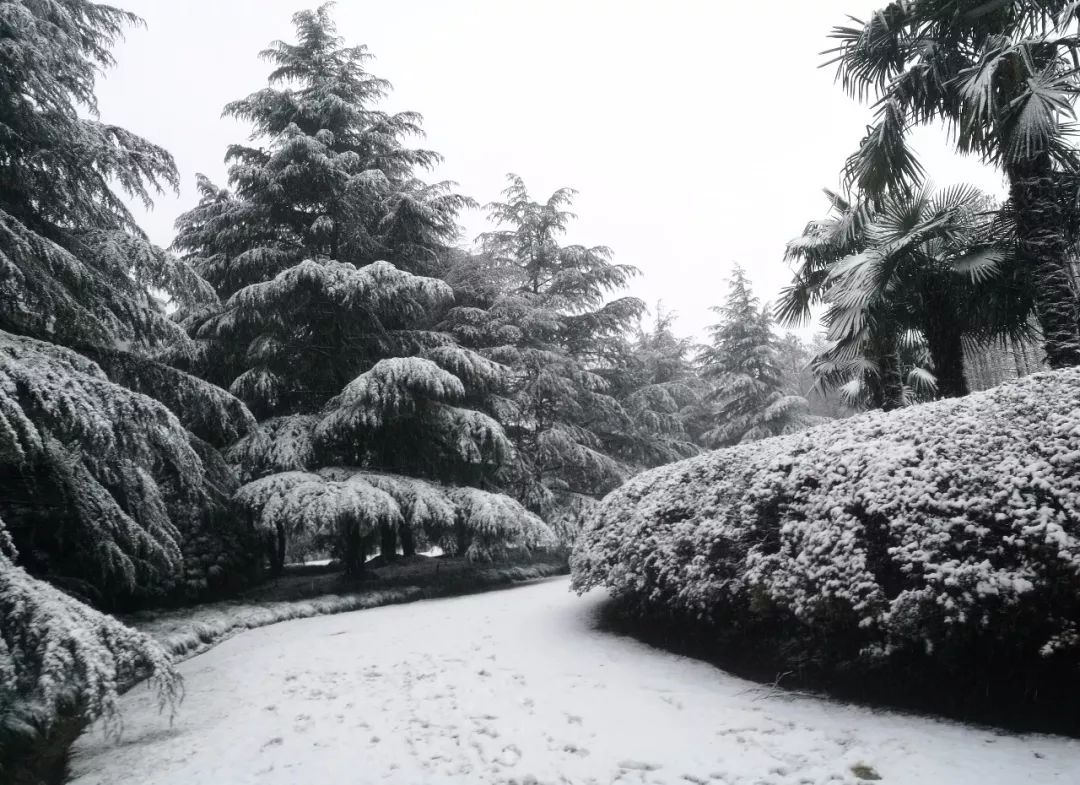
100,486
653,377
326,326
542,309
748,387
108,469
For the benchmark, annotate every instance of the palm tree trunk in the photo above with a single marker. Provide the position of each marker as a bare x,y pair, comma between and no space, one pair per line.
1043,249
887,386
944,339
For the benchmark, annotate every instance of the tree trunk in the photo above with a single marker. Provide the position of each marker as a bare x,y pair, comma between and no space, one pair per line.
887,387
276,549
945,342
408,542
387,542
462,537
1044,250
355,554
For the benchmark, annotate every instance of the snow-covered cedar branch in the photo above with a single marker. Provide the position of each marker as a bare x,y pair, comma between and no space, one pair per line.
116,464
907,532
61,661
205,409
83,292
341,500
280,444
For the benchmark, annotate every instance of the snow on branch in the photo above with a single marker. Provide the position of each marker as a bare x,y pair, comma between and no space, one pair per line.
389,389
280,444
53,293
120,459
312,505
203,408
60,660
495,523
475,370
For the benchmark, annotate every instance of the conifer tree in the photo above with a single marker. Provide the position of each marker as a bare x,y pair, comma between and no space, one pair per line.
653,377
544,312
748,392
325,329
100,485
108,466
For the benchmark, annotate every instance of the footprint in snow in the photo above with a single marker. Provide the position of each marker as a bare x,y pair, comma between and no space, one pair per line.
638,765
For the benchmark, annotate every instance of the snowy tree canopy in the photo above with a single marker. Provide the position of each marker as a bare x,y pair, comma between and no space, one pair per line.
544,311
116,464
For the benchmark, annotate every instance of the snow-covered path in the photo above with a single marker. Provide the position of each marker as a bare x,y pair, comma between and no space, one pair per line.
517,687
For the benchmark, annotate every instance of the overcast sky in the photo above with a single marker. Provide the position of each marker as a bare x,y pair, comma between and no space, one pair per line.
699,133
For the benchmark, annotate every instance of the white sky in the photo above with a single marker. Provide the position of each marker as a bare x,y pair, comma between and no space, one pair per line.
699,133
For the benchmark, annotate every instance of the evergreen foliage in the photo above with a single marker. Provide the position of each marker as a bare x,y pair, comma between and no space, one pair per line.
542,310
63,665
652,375
326,329
748,393
1003,80
104,491
904,283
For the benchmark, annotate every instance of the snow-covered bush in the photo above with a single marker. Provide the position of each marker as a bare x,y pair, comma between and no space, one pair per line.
62,665
947,533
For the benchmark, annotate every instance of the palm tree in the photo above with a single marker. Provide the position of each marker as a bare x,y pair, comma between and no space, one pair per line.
903,284
1002,77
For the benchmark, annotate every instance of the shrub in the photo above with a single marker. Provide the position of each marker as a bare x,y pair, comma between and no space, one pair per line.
943,539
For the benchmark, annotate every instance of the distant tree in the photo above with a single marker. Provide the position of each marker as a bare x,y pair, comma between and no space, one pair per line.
326,329
1002,77
548,318
742,363
652,375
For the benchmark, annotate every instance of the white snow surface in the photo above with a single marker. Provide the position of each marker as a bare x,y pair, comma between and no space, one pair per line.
518,686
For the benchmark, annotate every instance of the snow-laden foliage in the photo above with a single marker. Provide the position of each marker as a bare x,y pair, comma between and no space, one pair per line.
115,466
423,505
490,524
204,409
304,333
304,510
544,311
742,363
391,388
470,436
280,444
79,294
937,529
62,662
340,502
475,370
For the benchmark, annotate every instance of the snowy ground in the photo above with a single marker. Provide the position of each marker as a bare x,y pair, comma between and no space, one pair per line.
517,687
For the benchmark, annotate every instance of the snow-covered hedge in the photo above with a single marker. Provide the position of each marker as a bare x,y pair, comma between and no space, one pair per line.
936,533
